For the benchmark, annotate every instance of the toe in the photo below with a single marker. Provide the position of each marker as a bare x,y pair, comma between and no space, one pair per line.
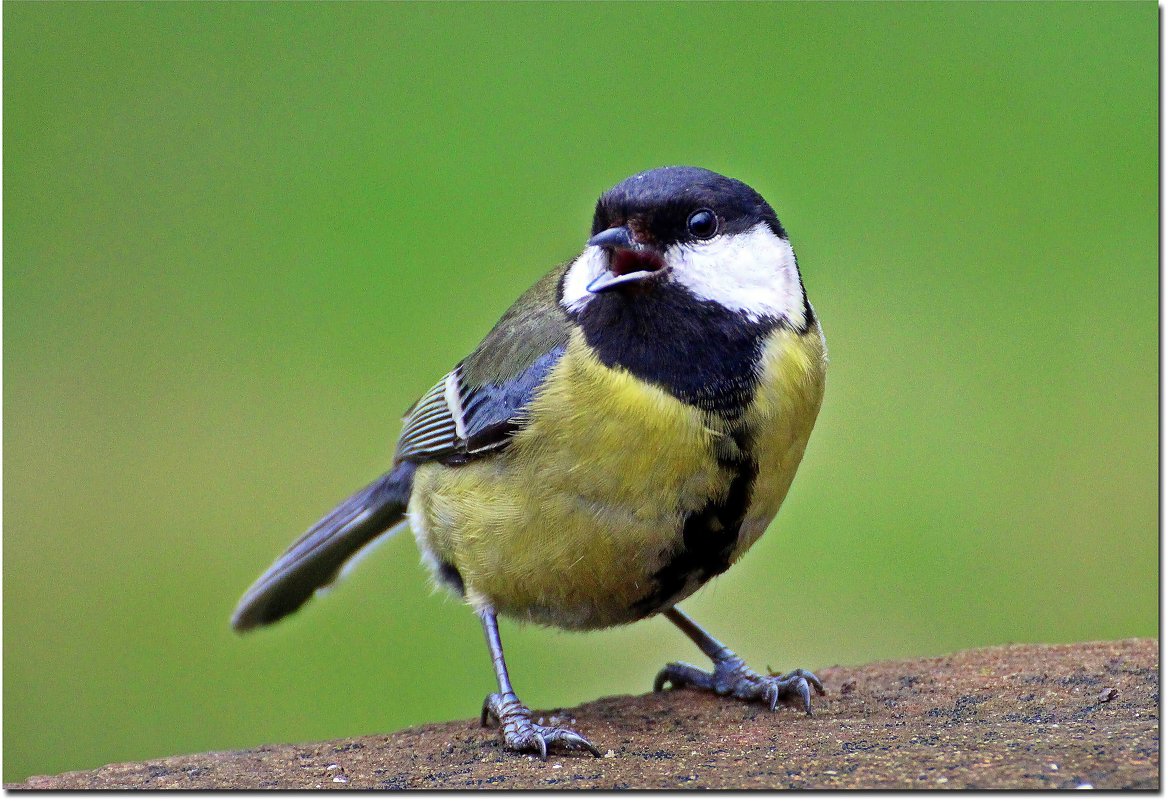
771,698
680,674
804,690
573,740
816,683
812,679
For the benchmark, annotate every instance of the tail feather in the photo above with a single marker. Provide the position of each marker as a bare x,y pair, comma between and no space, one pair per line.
314,560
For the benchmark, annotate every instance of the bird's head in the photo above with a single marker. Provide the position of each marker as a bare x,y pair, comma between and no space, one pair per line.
691,230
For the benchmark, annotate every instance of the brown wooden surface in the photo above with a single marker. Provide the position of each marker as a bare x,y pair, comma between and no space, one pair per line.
1029,716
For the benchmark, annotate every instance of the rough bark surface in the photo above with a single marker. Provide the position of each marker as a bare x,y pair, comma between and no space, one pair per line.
1025,716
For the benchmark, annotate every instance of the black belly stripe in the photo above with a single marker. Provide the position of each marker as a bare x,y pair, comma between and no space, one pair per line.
708,536
704,355
448,574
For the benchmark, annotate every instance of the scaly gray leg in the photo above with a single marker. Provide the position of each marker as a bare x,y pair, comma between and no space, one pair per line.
731,676
520,732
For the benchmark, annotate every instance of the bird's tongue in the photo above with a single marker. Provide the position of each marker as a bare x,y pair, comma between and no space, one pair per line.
624,262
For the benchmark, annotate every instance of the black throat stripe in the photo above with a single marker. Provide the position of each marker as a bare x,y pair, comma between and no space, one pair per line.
699,351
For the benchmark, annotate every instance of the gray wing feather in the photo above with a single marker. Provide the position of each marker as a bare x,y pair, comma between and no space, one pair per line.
478,406
430,428
455,422
314,560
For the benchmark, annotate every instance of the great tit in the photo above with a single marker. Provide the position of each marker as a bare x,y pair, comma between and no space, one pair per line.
623,434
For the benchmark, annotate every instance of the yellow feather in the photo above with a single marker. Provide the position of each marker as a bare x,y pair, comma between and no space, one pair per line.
782,414
569,523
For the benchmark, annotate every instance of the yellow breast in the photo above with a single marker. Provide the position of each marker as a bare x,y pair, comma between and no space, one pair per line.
786,403
568,525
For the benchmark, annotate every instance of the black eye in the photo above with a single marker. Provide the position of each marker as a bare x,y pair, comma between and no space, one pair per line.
702,224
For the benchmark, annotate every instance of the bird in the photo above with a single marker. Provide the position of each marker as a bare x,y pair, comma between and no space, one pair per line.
624,433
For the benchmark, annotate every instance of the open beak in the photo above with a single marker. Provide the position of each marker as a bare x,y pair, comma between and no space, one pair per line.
629,261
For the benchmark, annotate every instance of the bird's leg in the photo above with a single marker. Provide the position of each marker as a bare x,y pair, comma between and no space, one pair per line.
731,676
520,732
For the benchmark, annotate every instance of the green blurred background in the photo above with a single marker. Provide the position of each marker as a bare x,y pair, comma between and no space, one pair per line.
241,239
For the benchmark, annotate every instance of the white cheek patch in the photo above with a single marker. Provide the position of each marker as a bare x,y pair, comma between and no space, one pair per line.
752,272
587,267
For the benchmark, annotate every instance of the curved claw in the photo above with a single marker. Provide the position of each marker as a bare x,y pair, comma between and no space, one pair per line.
541,738
573,740
811,678
522,734
802,682
804,691
771,696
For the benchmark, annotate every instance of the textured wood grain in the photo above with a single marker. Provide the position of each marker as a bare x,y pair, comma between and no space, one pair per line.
1029,716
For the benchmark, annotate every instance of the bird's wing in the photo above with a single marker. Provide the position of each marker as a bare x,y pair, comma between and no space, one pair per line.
479,405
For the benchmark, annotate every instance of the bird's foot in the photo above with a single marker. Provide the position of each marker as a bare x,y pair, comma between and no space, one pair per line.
521,733
731,676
